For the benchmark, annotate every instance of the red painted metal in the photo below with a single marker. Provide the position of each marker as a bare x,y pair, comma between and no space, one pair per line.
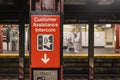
48,5
117,39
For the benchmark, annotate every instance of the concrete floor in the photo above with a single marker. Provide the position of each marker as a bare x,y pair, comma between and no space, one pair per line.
96,51
82,51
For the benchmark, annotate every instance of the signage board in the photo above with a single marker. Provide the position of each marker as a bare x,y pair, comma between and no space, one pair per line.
45,41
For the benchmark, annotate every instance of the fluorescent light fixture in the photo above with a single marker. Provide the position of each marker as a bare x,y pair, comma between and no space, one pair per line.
83,27
95,25
108,25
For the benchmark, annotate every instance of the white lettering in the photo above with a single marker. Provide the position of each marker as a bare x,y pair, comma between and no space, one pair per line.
44,19
45,25
45,30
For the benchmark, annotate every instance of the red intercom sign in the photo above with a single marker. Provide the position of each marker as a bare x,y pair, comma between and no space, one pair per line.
45,41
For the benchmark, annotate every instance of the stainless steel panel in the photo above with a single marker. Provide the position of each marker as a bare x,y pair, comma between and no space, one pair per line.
45,75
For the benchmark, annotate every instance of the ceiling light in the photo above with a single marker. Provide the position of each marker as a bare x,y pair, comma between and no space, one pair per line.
108,25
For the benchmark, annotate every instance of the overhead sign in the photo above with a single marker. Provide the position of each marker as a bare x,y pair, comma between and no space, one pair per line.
45,41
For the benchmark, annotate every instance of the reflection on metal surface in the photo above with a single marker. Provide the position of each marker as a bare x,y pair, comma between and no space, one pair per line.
47,4
75,2
105,2
45,75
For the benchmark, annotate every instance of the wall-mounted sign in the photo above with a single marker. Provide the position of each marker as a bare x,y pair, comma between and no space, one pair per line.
45,41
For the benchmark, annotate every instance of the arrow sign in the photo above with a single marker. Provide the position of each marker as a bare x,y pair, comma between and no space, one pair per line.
45,59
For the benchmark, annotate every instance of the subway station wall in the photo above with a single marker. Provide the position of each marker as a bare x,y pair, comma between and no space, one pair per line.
99,34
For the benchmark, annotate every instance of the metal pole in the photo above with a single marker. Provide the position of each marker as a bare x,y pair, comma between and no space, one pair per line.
117,39
21,51
52,5
21,18
8,33
1,40
91,51
60,9
7,40
61,46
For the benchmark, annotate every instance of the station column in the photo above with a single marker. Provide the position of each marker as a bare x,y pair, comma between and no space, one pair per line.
117,38
46,39
91,51
1,40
